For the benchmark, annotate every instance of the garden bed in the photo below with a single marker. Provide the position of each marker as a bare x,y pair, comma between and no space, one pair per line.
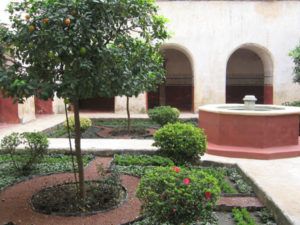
229,179
113,128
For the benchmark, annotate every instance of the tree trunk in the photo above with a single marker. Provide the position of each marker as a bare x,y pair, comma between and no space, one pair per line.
128,114
78,150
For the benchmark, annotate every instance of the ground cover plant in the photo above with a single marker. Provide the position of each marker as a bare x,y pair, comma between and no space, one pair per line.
51,163
98,125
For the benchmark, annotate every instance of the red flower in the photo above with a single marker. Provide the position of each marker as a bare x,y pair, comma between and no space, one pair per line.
186,180
176,169
174,210
207,195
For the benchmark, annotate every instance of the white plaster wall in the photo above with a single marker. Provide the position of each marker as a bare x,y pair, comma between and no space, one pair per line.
212,30
26,110
136,104
58,105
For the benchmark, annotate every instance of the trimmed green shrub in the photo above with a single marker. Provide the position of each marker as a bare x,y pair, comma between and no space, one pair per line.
35,145
183,143
163,114
85,123
178,195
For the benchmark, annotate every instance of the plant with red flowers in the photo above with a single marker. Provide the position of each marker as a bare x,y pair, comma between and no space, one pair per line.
178,197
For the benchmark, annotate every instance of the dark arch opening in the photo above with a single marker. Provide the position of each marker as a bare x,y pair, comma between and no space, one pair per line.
245,75
177,90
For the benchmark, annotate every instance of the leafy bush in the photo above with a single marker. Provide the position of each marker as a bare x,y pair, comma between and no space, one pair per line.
178,195
142,160
35,145
163,114
85,123
180,142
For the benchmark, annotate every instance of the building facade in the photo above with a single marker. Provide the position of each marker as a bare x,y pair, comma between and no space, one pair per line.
219,52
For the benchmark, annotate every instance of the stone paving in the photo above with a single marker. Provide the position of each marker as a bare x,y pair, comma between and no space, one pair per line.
277,181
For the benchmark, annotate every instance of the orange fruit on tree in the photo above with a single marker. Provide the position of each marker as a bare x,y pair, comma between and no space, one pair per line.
46,20
67,21
27,17
73,13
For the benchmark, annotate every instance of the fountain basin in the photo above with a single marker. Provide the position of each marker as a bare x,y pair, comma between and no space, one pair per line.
266,132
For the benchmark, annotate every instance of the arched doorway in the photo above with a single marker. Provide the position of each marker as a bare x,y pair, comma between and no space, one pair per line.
177,90
249,72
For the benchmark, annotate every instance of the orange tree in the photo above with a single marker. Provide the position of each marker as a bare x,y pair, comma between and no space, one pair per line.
77,49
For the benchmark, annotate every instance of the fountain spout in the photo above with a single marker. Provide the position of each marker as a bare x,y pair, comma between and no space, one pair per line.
249,102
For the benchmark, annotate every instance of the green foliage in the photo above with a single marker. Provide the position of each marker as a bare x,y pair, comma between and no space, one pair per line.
242,217
178,195
295,53
163,114
220,174
123,123
52,163
180,142
142,160
85,123
133,170
294,103
240,183
94,55
266,217
85,49
35,145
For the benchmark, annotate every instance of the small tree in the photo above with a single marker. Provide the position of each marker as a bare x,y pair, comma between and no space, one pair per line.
142,71
65,47
296,55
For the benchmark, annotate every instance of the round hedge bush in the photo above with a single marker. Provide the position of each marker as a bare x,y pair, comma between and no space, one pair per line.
178,195
85,123
182,142
163,114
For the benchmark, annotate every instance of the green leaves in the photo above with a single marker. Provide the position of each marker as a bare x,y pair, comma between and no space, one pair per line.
169,198
183,143
295,53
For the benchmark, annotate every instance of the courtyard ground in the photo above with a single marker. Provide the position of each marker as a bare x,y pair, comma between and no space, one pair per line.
277,181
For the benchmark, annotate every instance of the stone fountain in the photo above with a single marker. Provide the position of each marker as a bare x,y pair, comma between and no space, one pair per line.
251,130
